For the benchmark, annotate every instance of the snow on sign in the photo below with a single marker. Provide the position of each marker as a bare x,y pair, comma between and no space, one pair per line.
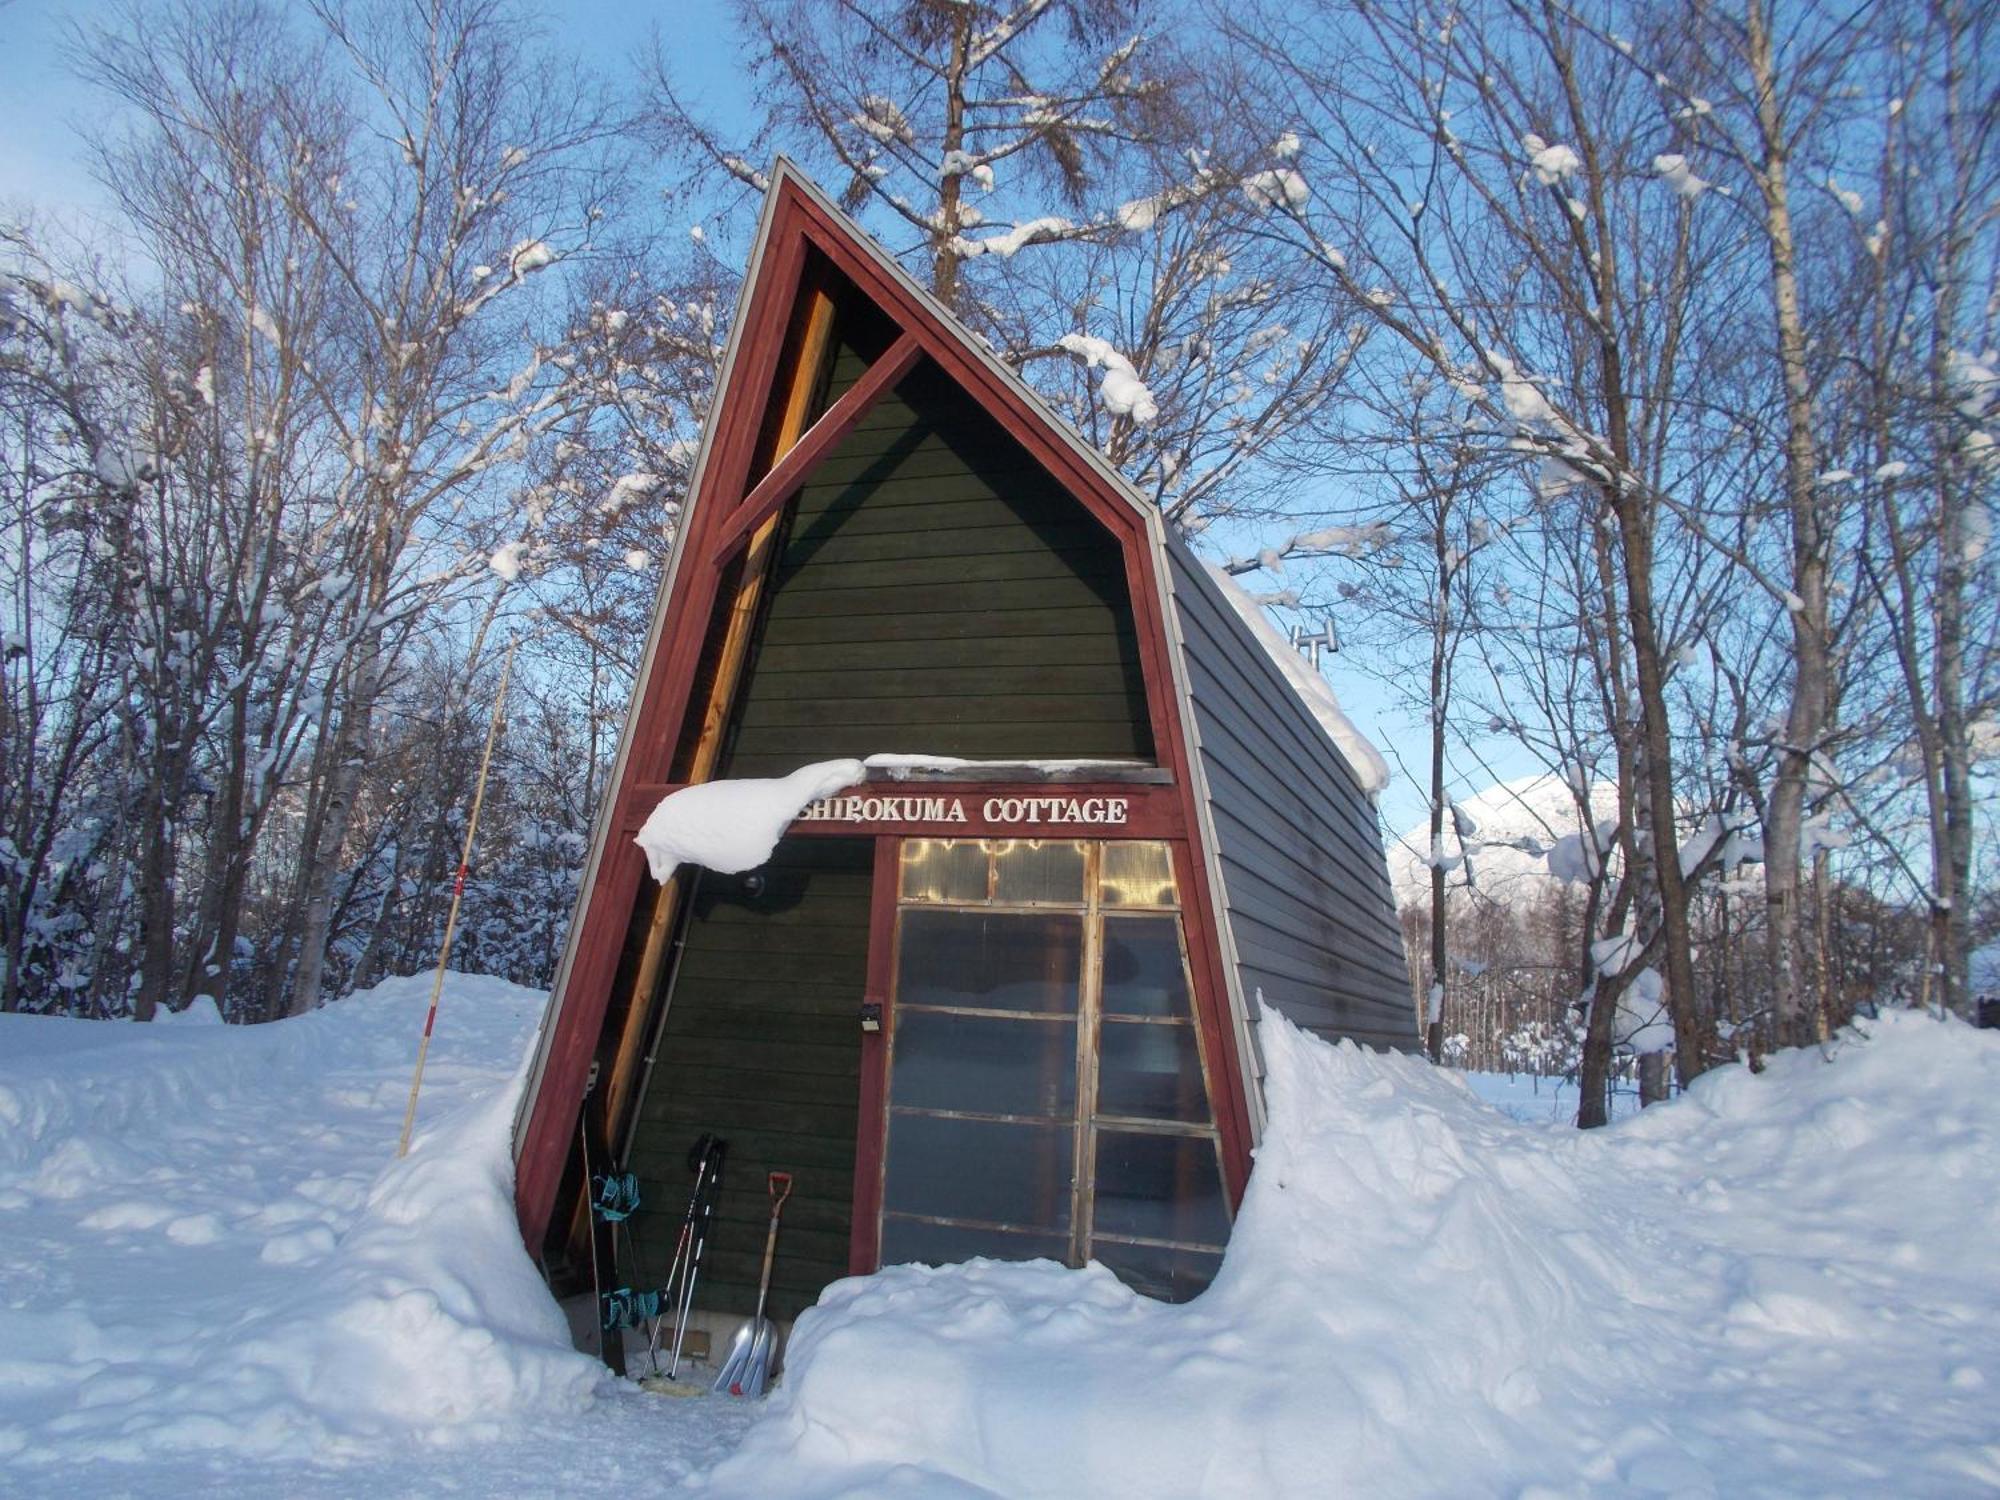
997,998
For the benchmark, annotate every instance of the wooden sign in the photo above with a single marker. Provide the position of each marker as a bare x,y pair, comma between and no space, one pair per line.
1054,812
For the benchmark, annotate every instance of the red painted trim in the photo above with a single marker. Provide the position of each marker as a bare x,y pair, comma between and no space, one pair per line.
665,705
1166,713
942,345
1103,500
776,487
872,1128
660,705
550,1128
1211,997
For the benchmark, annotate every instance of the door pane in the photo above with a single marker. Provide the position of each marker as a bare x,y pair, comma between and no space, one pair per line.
1150,1072
1143,972
941,1244
943,870
995,1171
1136,873
1160,1187
1025,961
984,1064
1035,872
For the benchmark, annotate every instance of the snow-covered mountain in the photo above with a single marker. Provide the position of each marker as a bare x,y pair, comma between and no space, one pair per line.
1510,828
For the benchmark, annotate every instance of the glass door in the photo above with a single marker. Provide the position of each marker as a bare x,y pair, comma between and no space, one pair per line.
1047,1089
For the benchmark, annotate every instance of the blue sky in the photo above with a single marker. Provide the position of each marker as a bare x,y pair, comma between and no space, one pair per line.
44,166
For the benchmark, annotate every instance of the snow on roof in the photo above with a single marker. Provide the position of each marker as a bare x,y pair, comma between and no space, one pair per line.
1369,768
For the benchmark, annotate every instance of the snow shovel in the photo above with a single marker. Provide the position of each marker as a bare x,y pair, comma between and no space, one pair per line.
748,1366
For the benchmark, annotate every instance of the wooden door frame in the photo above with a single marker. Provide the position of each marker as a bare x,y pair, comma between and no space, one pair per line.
1208,1007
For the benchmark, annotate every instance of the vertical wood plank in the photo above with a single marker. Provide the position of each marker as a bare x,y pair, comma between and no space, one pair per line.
871,1133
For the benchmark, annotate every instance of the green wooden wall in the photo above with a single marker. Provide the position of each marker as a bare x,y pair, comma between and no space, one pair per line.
763,1048
938,593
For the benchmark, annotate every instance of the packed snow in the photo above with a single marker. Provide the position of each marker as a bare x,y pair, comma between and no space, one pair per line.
1548,1101
214,1278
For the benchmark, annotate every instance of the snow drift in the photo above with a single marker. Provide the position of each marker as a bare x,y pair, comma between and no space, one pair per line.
733,826
213,1277
206,1248
1779,1285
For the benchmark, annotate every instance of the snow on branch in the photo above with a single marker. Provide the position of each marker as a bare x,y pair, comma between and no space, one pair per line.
1122,391
1034,232
1551,164
1142,214
1274,188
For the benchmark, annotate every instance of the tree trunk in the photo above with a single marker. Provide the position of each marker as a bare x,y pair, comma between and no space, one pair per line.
945,255
1440,695
1805,716
349,760
1593,1106
1652,1078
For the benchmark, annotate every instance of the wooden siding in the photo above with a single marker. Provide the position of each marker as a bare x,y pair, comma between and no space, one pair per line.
939,593
763,1048
1305,883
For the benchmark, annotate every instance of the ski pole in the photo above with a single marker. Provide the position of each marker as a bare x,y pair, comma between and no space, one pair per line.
457,894
703,1224
682,1248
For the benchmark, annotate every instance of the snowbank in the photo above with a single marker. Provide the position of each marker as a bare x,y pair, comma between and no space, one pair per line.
206,1248
212,1277
1778,1285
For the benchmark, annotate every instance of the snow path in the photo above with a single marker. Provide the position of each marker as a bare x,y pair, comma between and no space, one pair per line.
1549,1102
212,1274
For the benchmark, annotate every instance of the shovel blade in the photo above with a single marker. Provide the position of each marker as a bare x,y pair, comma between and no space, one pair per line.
747,1369
757,1369
737,1362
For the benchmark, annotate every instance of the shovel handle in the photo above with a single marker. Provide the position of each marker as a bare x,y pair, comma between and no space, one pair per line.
780,1187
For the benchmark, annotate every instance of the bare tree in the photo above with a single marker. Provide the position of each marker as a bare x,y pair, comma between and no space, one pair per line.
1083,189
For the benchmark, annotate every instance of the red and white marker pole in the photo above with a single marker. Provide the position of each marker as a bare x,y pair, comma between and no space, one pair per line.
457,894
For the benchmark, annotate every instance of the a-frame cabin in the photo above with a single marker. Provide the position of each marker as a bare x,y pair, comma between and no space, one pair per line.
1006,1009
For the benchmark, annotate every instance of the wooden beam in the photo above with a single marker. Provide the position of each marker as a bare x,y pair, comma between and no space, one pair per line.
775,488
659,706
815,351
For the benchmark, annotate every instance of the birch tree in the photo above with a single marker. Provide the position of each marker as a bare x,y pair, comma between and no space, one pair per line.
1477,185
365,205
